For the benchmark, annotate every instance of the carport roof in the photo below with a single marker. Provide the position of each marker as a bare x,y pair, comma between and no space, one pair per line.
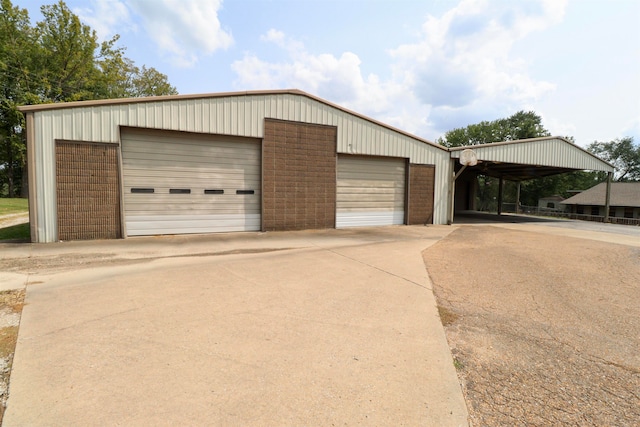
532,158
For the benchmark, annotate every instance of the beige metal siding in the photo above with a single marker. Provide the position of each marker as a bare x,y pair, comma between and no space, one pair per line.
233,115
166,161
370,191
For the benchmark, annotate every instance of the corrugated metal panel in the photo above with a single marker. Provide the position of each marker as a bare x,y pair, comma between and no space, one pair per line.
551,151
370,191
202,165
234,115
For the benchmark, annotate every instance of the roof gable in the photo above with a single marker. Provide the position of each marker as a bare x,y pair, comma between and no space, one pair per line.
191,97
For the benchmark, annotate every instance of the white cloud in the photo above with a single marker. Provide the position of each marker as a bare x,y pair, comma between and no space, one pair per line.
558,126
461,70
632,130
106,17
338,79
465,62
184,29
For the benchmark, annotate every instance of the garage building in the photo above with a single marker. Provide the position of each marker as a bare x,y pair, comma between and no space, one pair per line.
250,161
243,161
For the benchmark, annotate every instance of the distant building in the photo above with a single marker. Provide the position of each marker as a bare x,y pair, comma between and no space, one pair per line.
624,201
551,202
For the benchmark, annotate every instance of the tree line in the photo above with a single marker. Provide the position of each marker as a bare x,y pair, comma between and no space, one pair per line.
57,59
622,153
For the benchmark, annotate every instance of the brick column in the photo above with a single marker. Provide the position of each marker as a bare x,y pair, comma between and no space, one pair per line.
298,176
421,191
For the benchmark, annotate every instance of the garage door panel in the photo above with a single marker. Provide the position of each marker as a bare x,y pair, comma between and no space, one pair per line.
375,195
169,160
165,183
369,219
137,208
370,191
166,159
370,203
365,205
187,224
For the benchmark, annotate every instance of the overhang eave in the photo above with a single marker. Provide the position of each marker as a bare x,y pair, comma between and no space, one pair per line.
515,171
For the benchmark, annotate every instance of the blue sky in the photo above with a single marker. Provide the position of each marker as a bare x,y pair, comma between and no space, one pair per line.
423,66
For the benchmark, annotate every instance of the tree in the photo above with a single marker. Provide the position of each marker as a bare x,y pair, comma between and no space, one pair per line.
119,77
59,59
621,153
17,53
521,125
67,61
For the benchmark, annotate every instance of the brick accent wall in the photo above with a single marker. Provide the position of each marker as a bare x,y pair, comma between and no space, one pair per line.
88,191
298,176
421,192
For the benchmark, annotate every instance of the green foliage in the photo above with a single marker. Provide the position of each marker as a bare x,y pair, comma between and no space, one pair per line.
521,125
58,59
621,153
560,185
67,56
17,58
119,77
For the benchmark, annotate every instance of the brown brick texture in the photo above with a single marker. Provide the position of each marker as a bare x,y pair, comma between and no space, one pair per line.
298,176
420,197
88,191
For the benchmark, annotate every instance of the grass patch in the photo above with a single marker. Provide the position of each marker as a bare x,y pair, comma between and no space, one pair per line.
447,317
458,364
11,206
16,232
8,339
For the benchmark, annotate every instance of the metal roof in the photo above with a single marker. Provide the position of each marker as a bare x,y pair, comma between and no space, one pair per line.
141,100
622,194
532,158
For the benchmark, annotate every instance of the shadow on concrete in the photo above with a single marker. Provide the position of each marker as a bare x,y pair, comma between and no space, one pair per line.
475,217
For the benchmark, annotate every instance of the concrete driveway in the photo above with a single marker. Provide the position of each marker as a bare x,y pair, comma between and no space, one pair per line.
337,327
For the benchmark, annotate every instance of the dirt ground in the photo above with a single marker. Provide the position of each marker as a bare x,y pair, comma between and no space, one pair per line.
13,219
544,330
10,309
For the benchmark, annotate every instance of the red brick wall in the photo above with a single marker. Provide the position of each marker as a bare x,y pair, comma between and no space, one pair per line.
298,176
88,191
420,197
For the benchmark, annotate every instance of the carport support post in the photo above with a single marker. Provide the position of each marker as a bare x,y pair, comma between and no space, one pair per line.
517,197
500,185
607,199
452,190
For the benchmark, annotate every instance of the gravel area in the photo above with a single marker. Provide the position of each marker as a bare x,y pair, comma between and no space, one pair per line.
544,330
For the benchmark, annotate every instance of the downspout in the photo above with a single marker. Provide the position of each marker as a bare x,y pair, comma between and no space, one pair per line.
31,178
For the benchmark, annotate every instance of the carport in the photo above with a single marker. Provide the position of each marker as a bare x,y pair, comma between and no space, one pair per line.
517,161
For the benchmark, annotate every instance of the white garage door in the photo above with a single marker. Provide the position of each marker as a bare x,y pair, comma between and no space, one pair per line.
371,191
179,183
